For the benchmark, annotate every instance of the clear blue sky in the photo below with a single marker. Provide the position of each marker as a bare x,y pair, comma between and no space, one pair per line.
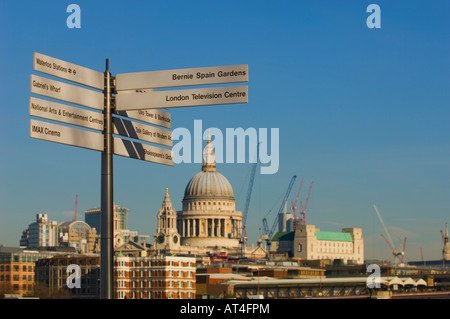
364,113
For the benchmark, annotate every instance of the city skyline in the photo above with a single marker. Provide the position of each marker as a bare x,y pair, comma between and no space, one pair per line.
361,112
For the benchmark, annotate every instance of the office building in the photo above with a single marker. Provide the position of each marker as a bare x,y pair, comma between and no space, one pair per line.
310,243
79,235
41,233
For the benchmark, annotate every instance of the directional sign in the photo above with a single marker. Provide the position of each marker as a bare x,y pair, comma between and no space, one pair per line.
66,135
156,117
142,151
182,77
68,71
66,92
142,132
180,98
66,114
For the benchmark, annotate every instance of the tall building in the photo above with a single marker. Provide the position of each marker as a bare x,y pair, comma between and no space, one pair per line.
41,233
121,233
93,217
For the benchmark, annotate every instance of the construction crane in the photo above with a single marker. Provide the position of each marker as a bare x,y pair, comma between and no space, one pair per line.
268,233
294,205
445,240
403,251
241,233
398,254
75,211
243,236
303,211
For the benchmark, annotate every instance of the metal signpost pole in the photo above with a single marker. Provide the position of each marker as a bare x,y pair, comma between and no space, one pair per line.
107,205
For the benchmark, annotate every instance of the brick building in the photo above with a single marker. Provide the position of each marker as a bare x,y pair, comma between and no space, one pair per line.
17,269
159,277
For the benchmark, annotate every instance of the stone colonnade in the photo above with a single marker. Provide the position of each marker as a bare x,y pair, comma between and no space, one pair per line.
208,227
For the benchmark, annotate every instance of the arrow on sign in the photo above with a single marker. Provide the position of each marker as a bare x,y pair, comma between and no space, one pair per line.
156,117
142,132
143,152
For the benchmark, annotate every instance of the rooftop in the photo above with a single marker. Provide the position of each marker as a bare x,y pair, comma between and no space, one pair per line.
334,236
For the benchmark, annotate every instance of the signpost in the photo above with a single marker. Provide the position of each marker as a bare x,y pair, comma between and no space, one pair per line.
135,99
181,98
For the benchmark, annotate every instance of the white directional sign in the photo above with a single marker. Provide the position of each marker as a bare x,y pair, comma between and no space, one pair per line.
142,151
181,98
66,114
156,117
68,71
66,135
182,77
142,132
66,92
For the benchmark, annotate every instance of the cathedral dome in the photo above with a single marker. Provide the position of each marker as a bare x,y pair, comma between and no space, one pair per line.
208,183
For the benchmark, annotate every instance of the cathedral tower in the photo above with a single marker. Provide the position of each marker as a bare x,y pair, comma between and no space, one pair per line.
167,237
